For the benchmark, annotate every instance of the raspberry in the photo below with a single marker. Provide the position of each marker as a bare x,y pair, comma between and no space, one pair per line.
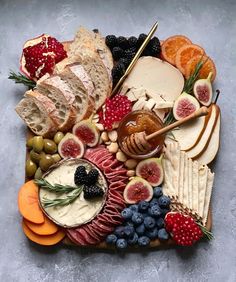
184,229
115,109
42,57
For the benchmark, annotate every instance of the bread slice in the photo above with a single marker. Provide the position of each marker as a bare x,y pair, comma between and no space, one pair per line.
39,113
83,50
60,93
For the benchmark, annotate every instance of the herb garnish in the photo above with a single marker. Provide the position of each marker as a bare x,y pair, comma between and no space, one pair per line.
20,78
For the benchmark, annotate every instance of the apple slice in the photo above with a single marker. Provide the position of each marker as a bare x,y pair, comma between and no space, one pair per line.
205,137
210,152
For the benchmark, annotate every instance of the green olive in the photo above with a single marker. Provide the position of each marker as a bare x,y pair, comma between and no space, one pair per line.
30,168
35,157
58,136
29,143
45,162
56,158
38,143
50,147
38,174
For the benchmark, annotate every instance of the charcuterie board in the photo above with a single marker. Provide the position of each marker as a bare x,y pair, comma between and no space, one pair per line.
121,169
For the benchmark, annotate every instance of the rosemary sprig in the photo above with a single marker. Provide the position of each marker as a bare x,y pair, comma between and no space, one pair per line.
207,233
20,78
56,188
47,203
188,86
169,118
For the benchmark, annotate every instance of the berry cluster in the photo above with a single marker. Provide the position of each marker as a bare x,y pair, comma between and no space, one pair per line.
89,180
142,223
114,110
183,228
42,57
123,51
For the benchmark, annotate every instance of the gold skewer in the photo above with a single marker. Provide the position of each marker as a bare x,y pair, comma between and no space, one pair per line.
136,57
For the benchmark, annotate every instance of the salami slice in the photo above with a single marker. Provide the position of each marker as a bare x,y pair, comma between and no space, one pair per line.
76,238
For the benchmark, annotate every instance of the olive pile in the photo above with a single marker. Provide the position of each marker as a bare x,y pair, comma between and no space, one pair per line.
42,154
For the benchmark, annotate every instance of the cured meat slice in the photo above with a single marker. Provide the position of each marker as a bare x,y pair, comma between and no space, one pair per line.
79,240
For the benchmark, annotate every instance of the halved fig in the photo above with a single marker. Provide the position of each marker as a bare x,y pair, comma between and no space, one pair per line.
87,132
151,170
71,147
184,106
203,90
138,189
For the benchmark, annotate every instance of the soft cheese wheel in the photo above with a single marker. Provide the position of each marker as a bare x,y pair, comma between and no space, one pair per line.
161,80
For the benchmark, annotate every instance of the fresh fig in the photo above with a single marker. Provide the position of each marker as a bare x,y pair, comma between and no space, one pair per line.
185,105
203,90
87,132
151,170
71,147
138,189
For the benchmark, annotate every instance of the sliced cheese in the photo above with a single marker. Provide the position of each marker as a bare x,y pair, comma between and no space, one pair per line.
139,104
161,80
175,156
202,184
195,186
190,183
181,177
149,105
185,190
210,181
210,152
202,143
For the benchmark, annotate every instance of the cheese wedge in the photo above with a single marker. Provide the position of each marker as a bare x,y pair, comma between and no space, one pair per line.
185,190
195,186
161,80
202,184
168,187
210,152
210,181
181,177
190,183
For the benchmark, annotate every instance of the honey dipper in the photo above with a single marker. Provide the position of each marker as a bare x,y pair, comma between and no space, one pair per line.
137,143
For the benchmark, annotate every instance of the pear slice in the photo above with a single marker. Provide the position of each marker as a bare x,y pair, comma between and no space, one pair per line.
210,152
205,137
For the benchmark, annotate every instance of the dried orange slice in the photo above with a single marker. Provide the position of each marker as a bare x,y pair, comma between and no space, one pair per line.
208,67
185,53
171,45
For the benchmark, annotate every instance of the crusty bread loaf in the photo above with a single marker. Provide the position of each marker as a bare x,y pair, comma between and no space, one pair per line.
81,86
60,93
39,113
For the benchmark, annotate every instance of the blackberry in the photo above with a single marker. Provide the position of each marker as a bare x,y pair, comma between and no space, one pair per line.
80,176
124,61
92,177
154,47
141,38
122,42
92,191
118,70
117,53
130,53
132,41
111,41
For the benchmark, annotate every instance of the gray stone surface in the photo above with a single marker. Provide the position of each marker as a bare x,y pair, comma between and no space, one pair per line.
209,23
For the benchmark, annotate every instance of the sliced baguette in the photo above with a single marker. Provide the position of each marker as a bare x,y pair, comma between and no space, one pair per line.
39,113
60,93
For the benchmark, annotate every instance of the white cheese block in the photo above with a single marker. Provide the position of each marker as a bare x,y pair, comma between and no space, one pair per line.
161,80
78,212
139,104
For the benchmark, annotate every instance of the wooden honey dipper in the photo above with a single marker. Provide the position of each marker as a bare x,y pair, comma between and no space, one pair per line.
137,143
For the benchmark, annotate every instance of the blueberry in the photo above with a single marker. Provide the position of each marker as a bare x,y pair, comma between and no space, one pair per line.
157,192
164,212
133,239
160,223
137,218
153,202
143,206
121,244
127,213
149,222
154,211
143,241
129,223
140,230
119,232
111,239
164,201
162,234
152,233
128,231
134,208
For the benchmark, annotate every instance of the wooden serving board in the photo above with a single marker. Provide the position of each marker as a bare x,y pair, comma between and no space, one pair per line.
103,246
